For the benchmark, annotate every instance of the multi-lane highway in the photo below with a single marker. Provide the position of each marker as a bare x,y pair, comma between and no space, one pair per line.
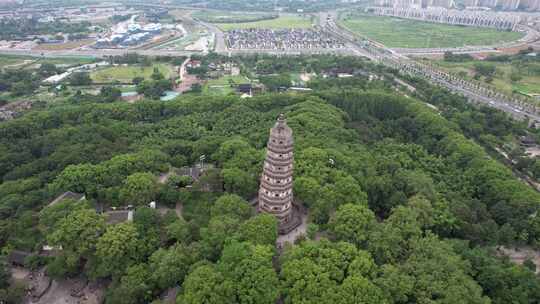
219,36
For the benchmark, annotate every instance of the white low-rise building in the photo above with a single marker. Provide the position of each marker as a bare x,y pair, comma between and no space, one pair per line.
57,78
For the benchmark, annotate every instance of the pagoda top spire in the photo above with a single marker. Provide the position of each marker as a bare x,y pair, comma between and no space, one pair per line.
281,124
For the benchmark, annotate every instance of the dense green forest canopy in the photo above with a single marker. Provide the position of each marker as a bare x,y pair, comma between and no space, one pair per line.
404,204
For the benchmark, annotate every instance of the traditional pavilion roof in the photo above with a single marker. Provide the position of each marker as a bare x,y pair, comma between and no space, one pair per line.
17,257
67,195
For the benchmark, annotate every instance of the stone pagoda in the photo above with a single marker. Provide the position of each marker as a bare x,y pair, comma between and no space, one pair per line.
276,190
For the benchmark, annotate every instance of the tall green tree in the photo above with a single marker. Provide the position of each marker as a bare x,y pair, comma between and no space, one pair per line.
357,290
306,282
250,268
206,285
439,273
352,223
168,267
117,249
77,235
261,230
213,236
134,287
51,216
179,231
80,79
239,182
232,205
139,189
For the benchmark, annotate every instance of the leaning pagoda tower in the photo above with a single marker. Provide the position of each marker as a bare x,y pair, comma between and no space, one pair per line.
276,190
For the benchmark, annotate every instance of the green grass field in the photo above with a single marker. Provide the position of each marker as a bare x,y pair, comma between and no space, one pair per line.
127,88
283,21
127,73
402,33
501,80
69,60
15,61
231,17
183,42
180,43
222,86
528,86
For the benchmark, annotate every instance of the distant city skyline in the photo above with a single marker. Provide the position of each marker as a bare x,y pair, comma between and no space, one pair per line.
508,5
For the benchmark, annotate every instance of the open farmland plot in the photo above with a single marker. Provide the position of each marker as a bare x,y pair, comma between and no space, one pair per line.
528,86
282,22
126,74
527,83
191,41
232,17
64,46
402,33
179,43
19,62
8,61
29,62
68,60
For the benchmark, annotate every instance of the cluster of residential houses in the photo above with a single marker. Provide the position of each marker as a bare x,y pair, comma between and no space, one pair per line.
281,39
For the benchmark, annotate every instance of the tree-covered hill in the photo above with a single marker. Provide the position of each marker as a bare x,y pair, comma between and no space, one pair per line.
403,206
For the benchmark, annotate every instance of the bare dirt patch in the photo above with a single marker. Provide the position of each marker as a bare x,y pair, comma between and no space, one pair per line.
296,233
72,292
533,151
19,274
520,255
64,46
